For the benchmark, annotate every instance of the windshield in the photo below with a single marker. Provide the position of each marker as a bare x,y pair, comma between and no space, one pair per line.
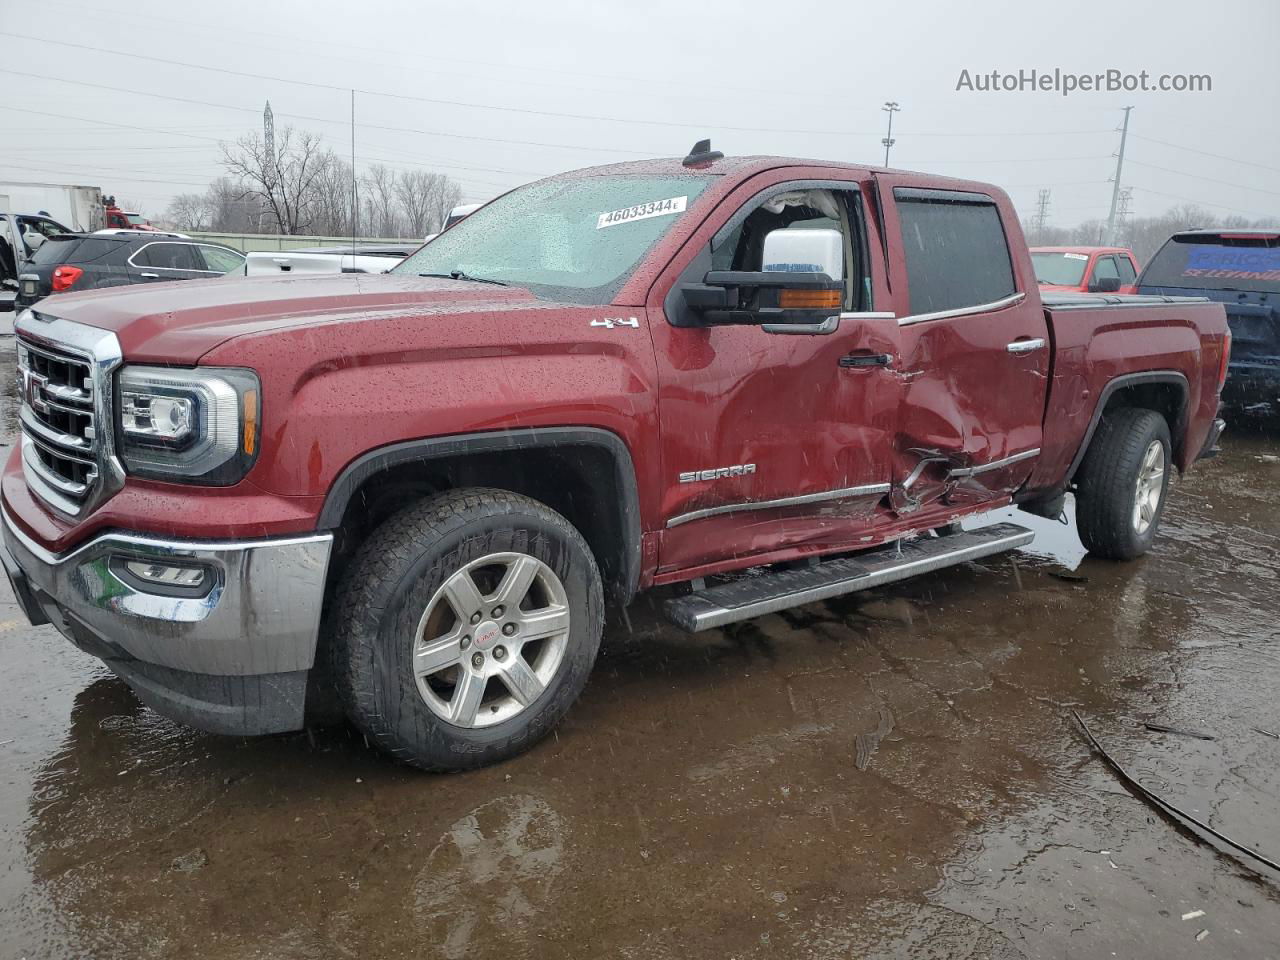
137,219
1061,269
573,240
1216,262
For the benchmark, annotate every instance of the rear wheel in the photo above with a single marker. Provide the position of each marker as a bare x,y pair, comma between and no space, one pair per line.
1121,487
467,625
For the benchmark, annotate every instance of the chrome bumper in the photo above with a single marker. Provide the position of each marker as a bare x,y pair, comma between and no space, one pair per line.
186,655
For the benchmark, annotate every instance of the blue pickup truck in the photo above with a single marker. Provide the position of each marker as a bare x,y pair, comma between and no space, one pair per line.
1241,270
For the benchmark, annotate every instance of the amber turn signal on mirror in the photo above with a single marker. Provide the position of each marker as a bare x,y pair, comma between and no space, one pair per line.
809,299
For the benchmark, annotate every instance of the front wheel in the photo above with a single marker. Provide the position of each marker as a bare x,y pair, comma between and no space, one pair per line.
466,626
1122,484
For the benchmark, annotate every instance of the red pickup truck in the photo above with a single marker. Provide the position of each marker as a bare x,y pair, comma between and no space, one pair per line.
1085,269
419,489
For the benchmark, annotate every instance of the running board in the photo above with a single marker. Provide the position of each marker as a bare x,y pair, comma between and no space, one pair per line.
777,590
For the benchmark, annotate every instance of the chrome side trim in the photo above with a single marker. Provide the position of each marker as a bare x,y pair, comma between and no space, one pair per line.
869,315
994,305
866,490
994,464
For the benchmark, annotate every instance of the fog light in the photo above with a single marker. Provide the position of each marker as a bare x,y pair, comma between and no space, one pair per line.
167,579
163,573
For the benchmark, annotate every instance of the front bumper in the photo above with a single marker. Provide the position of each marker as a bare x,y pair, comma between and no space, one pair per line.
234,660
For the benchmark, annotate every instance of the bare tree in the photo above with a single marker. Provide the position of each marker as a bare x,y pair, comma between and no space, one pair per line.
449,196
284,178
190,211
379,184
332,205
425,200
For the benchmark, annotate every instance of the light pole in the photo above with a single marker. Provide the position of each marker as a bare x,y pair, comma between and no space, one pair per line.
890,107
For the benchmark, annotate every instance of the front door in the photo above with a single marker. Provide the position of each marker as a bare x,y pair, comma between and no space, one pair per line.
773,441
974,350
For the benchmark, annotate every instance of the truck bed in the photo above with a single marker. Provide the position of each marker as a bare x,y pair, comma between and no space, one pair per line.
1097,338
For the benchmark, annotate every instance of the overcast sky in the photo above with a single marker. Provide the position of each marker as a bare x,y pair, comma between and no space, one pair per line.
647,79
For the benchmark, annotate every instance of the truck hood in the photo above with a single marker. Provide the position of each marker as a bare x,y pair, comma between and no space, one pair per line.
180,322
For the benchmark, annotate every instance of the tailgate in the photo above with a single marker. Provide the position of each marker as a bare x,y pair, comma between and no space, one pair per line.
1255,332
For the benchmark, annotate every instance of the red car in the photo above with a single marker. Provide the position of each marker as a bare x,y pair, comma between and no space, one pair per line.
1085,269
417,489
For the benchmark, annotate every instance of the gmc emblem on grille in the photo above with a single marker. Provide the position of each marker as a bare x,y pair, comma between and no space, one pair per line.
34,391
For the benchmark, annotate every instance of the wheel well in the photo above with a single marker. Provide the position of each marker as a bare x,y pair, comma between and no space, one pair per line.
1165,393
583,482
1165,398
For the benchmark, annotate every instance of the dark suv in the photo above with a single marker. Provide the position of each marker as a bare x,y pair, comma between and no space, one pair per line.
1239,268
87,261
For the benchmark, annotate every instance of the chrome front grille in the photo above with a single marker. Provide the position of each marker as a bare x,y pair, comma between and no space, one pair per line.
64,388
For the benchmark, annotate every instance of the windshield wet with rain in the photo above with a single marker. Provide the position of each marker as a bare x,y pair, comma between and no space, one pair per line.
575,240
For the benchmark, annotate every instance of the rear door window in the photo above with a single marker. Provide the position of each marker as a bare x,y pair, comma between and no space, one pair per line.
1216,262
167,256
956,251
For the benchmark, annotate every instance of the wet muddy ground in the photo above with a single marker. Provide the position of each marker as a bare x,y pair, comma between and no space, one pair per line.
894,774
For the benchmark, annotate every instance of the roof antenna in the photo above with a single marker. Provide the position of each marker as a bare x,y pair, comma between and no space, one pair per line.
702,155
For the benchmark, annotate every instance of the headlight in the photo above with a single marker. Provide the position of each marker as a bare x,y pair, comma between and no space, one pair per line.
197,426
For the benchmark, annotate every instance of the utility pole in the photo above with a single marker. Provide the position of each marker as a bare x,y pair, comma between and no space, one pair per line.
1042,215
1115,187
890,107
269,148
355,195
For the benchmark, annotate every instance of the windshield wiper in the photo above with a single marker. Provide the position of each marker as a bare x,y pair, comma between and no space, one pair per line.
463,275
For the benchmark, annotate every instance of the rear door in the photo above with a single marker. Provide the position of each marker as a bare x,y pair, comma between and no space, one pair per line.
974,348
161,260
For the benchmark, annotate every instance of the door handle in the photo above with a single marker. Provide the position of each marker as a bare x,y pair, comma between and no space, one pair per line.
150,276
1025,346
856,360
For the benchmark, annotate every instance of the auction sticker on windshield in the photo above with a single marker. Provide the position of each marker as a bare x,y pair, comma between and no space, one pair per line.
642,211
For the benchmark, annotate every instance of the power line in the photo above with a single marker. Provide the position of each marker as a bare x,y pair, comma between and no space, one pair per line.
310,119
109,123
1206,153
594,118
1206,203
700,125
1196,176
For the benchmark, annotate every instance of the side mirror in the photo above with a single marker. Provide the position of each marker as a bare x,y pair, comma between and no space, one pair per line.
1105,285
35,240
781,302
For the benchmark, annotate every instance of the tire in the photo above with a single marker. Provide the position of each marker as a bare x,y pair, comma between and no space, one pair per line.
398,606
1111,519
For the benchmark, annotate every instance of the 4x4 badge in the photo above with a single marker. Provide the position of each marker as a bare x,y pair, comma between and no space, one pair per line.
610,322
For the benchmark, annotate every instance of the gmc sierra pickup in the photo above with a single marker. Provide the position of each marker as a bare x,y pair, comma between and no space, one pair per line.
418,489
